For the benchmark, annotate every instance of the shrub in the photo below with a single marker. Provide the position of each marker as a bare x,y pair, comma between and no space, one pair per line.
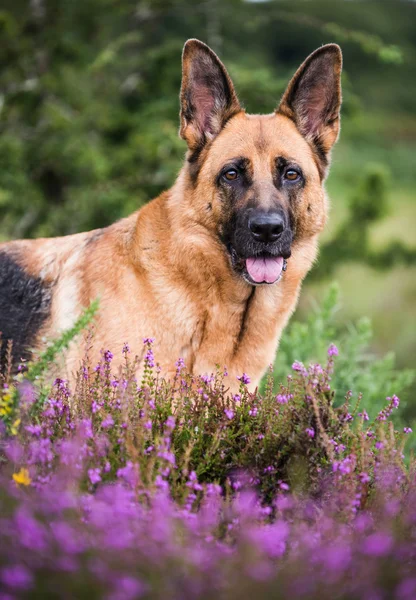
127,489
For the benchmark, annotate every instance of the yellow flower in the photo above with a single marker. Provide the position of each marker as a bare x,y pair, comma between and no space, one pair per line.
5,404
22,477
14,427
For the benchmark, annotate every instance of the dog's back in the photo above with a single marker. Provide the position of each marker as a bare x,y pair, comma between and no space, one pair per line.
42,287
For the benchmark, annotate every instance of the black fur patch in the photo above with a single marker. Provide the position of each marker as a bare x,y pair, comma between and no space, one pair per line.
24,307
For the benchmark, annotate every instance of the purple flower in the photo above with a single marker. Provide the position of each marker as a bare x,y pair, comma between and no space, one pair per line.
180,364
282,398
108,356
128,474
229,413
127,588
170,423
407,430
149,359
332,350
244,378
35,430
16,577
298,366
310,432
94,475
108,422
377,544
148,340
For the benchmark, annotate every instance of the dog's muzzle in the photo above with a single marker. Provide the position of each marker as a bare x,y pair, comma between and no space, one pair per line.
260,247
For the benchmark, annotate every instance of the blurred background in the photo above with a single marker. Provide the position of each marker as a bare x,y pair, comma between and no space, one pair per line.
89,120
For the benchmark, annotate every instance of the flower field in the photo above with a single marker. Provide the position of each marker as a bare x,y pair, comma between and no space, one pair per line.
126,489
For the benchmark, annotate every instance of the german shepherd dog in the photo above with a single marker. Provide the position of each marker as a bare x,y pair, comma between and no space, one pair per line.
211,268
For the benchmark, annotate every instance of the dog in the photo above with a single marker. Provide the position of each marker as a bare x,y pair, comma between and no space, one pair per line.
212,268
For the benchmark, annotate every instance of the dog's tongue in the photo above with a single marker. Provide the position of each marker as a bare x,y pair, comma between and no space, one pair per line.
263,269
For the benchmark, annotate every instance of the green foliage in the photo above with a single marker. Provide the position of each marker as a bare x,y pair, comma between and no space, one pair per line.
89,103
358,369
39,370
367,205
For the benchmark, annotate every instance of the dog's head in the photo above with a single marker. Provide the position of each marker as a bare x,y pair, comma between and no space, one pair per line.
257,180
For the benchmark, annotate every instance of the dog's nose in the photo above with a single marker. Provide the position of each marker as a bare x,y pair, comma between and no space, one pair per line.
266,227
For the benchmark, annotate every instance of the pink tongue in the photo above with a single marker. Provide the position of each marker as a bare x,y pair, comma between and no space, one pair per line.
264,269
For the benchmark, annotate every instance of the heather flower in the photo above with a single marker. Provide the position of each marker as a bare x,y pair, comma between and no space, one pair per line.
127,588
180,364
128,474
16,577
35,430
115,492
94,475
298,366
282,398
170,423
149,359
377,544
27,394
193,482
86,428
407,430
108,356
244,378
332,350
345,465
148,341
108,422
364,477
395,401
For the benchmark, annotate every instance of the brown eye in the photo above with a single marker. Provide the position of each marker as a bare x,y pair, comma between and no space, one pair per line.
291,175
230,175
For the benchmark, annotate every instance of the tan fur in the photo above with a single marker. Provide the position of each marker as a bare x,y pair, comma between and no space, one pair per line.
164,273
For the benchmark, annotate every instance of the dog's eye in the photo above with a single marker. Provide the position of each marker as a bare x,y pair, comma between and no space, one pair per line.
291,175
230,175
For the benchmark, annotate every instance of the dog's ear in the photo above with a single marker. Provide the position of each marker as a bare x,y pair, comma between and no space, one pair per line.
313,97
208,98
